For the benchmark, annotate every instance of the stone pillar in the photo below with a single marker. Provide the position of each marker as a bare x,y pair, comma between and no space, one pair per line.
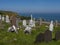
17,22
7,19
40,21
3,18
1,22
56,23
0,17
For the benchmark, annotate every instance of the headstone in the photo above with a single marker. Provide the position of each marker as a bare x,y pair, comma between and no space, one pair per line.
47,36
13,20
40,21
31,16
3,18
57,35
56,23
24,23
7,19
32,22
0,17
13,24
17,23
39,38
12,29
27,30
51,26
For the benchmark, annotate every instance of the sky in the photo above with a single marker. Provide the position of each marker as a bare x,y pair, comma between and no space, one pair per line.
34,6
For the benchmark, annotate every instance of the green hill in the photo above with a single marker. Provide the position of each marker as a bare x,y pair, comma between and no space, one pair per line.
11,13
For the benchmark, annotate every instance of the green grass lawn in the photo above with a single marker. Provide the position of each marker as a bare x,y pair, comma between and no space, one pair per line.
9,38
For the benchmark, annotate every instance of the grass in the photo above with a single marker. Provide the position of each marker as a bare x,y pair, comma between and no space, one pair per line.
9,38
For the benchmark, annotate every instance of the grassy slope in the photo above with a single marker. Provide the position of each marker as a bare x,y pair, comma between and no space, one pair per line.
9,38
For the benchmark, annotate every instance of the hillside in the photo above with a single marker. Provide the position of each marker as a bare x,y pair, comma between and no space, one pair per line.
11,13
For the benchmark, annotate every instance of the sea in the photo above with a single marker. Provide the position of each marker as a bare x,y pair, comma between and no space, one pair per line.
45,16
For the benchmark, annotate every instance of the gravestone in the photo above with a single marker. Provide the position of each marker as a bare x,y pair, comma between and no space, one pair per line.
13,24
57,35
32,22
3,18
7,19
12,29
13,20
24,23
51,26
47,36
17,22
56,23
0,17
40,21
27,30
39,38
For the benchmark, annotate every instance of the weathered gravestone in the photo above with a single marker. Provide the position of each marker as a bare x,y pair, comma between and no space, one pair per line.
0,17
47,36
3,18
13,24
51,26
27,30
7,19
24,23
17,22
13,20
57,35
32,22
39,38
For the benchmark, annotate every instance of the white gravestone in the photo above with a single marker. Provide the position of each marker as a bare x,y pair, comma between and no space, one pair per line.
2,18
7,19
13,28
32,22
51,26
28,29
24,23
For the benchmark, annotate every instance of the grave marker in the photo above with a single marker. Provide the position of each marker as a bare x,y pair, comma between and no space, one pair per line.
57,35
51,26
24,23
39,38
47,36
7,19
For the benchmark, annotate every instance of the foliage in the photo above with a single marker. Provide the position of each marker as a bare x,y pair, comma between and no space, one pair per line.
11,38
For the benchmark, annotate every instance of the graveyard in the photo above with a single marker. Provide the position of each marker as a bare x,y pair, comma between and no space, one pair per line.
9,38
36,32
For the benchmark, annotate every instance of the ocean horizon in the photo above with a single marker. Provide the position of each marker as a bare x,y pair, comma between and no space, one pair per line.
45,16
